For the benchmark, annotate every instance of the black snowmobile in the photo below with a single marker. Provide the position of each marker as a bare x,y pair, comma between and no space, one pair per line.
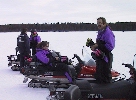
41,76
14,61
83,90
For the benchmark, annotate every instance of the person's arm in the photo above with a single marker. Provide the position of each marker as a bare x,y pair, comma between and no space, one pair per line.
38,39
42,58
110,41
27,45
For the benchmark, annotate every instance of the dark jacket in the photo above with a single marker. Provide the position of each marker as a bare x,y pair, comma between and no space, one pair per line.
34,40
23,44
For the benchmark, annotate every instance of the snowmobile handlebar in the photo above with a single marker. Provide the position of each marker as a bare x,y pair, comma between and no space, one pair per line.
78,58
128,65
132,70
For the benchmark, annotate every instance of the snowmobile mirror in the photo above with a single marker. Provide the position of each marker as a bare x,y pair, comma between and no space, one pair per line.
134,61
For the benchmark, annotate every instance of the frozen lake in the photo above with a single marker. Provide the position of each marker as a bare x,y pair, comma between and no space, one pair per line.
67,43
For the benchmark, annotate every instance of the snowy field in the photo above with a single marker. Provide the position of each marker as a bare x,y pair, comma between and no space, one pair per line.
67,43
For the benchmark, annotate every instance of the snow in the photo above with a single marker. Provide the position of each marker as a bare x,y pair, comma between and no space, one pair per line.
67,43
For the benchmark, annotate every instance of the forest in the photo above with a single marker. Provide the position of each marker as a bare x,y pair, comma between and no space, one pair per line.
67,26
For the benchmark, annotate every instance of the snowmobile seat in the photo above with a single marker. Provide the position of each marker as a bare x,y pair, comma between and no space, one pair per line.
72,70
72,93
78,91
41,68
47,70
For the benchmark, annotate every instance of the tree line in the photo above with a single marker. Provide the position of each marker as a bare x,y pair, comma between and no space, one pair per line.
65,27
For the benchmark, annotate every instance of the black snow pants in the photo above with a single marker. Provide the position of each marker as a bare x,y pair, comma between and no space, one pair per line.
103,69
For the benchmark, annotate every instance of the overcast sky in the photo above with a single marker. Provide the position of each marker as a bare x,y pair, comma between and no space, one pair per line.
52,11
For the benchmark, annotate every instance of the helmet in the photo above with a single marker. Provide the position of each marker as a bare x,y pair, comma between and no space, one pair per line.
33,30
97,54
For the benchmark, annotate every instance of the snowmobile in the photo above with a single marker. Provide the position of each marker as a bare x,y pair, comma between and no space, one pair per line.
14,60
83,90
84,69
42,75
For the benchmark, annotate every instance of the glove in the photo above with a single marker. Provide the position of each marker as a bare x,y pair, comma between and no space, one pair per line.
89,42
57,58
97,54
29,59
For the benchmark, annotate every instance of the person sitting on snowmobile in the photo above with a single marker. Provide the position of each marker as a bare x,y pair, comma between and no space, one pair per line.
43,54
34,40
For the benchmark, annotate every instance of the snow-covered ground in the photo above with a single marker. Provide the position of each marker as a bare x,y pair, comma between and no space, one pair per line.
67,43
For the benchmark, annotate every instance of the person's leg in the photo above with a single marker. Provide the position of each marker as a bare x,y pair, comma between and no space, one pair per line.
64,67
22,63
18,57
68,77
33,51
21,60
107,72
107,68
98,74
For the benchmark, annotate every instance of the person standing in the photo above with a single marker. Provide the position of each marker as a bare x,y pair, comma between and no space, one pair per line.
34,40
105,43
23,44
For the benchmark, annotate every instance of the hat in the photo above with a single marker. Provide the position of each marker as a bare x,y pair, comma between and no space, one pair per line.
33,30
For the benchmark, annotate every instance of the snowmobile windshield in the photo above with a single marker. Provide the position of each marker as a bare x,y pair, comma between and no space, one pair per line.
134,61
88,60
